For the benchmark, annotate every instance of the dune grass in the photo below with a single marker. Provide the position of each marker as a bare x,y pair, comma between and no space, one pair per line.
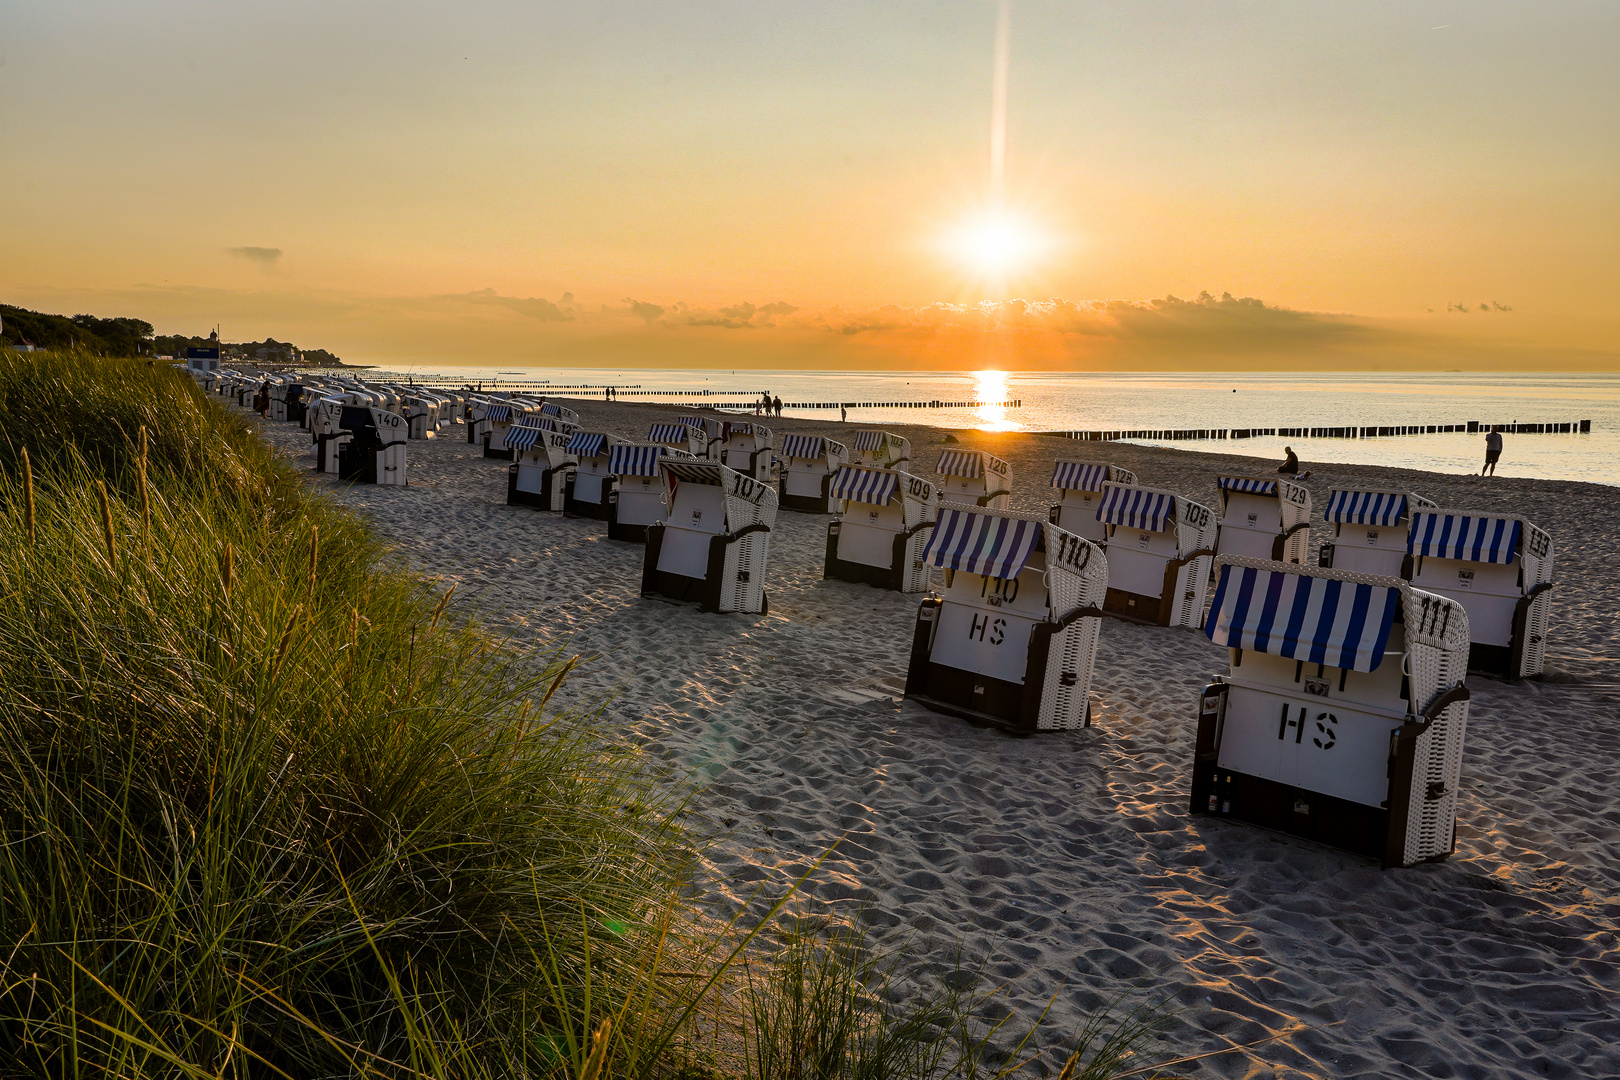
271,809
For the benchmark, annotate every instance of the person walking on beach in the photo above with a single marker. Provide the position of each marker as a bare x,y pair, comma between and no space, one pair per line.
1493,450
776,405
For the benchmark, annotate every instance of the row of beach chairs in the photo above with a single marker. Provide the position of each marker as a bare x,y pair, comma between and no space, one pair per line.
1342,713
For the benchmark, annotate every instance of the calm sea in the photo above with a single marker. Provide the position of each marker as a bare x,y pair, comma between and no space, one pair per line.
1054,402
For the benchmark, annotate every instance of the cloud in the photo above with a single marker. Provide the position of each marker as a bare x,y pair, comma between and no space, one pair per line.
649,312
265,257
534,307
1204,333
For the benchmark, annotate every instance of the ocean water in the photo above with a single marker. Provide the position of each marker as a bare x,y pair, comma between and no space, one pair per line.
1085,401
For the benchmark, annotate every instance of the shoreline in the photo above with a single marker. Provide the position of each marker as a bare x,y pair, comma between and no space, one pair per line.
1067,861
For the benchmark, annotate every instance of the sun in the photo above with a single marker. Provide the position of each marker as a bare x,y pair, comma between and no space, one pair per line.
997,246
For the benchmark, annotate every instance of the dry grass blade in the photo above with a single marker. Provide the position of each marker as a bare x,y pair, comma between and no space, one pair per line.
107,524
28,498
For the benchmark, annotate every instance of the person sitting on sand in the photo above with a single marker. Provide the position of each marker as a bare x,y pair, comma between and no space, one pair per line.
1493,450
1290,465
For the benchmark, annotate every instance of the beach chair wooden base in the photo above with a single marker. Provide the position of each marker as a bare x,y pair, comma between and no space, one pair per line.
807,504
629,532
705,591
1382,832
572,507
904,574
550,495
326,449
1136,607
1040,703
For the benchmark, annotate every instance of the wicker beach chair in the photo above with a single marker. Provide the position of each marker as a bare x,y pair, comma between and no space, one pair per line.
974,476
1160,550
689,438
712,430
374,453
715,544
641,490
1343,714
541,462
1264,517
1497,566
808,463
880,450
1080,488
589,490
1011,638
1370,530
748,448
882,530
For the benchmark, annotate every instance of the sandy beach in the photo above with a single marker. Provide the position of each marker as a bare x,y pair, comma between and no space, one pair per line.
1068,861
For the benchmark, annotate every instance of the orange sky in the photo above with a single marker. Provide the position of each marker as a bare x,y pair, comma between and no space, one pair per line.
503,183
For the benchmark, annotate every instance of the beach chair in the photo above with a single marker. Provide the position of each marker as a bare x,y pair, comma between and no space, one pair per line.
714,546
498,420
880,450
1080,488
1370,531
1342,717
1264,517
880,535
686,437
475,416
587,493
541,462
640,495
974,476
421,417
280,385
375,451
808,463
326,433
1011,638
1160,550
558,412
1497,566
748,448
713,434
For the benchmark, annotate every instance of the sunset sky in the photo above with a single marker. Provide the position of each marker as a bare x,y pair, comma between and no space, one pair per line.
778,184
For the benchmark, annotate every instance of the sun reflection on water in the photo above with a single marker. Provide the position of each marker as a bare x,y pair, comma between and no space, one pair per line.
992,386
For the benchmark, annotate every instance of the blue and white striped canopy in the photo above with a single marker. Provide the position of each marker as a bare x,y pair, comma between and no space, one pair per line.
803,446
692,422
626,460
1136,508
669,433
498,412
548,409
739,428
1079,476
1249,484
968,463
1318,620
871,440
587,444
521,437
856,484
697,472
981,543
1470,537
1382,508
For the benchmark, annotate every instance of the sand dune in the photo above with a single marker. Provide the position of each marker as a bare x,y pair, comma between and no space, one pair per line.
1069,860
